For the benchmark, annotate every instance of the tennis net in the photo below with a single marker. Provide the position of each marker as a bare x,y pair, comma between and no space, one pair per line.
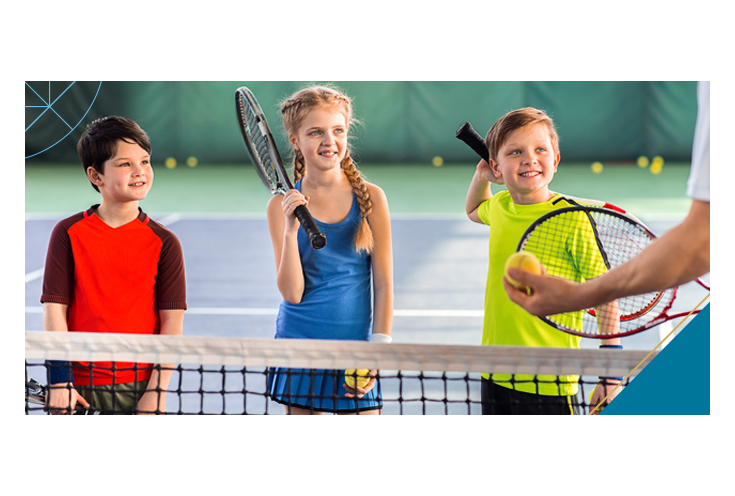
213,375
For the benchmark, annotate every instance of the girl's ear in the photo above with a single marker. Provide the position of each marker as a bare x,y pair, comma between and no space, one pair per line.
294,142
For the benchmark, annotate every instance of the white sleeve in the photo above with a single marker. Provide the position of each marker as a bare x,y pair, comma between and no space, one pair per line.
698,184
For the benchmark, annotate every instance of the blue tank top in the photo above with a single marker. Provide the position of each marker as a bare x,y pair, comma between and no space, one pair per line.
337,301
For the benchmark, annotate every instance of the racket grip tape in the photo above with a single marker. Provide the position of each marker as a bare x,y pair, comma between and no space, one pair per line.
471,137
317,238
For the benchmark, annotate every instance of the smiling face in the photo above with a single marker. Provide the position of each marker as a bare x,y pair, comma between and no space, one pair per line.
322,138
527,162
126,177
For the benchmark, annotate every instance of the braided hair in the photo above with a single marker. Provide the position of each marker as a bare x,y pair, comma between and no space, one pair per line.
294,110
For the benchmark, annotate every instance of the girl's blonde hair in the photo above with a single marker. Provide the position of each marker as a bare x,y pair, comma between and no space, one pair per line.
294,110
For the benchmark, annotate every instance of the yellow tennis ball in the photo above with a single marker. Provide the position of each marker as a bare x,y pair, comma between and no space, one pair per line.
192,161
437,161
525,261
597,167
170,162
656,168
642,161
363,377
657,160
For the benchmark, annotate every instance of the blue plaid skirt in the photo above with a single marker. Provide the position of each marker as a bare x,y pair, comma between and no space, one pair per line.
318,390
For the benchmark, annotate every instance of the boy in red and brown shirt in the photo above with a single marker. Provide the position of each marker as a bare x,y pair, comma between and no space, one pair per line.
112,269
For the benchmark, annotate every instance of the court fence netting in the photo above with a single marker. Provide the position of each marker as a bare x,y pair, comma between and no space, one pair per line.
216,375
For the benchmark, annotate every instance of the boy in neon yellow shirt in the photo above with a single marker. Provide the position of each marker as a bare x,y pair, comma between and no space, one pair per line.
524,155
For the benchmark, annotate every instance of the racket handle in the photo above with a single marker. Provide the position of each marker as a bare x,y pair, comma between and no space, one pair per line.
87,411
467,134
316,237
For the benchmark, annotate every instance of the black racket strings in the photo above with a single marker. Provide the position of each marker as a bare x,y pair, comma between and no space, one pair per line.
260,142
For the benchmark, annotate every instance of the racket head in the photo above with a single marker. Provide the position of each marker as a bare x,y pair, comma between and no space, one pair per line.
35,392
579,243
260,143
267,160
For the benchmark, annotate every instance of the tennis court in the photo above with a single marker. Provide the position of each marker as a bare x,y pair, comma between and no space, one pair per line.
217,210
440,257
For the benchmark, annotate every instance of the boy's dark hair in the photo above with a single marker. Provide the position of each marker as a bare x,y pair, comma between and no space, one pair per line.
99,141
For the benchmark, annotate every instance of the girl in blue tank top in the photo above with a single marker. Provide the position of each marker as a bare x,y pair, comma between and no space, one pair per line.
344,290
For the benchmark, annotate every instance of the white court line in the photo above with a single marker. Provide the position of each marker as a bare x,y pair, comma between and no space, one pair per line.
274,311
169,219
656,217
36,274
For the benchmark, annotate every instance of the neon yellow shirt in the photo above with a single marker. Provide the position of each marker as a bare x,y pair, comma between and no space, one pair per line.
507,324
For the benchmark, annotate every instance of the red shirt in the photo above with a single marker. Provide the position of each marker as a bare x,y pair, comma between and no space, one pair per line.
114,280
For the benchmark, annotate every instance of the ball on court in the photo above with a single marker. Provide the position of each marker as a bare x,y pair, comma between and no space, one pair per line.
192,162
525,261
362,375
597,167
656,168
170,162
437,161
658,161
642,161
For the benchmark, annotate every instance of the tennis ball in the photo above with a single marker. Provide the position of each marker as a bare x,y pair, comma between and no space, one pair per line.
437,161
597,167
642,161
656,168
522,260
363,377
192,161
658,160
170,162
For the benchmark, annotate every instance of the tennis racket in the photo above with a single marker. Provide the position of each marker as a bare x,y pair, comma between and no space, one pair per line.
36,393
267,160
583,241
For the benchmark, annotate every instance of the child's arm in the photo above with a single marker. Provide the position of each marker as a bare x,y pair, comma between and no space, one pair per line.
382,267
382,262
153,401
284,228
62,397
479,191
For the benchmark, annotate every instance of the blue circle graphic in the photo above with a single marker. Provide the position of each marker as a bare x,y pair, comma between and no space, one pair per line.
48,106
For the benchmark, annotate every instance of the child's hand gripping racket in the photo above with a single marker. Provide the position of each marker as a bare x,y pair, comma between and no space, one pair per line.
267,160
595,236
37,393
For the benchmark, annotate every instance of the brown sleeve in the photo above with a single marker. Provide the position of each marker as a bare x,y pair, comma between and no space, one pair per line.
171,276
58,274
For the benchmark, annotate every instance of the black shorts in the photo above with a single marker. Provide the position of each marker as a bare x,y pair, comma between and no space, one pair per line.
499,400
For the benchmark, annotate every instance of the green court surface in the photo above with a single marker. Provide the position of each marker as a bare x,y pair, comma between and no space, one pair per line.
411,189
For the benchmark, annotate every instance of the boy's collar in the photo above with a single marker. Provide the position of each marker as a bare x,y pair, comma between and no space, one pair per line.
142,216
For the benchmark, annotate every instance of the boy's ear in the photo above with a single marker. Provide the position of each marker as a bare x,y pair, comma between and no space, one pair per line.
94,176
556,161
494,167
